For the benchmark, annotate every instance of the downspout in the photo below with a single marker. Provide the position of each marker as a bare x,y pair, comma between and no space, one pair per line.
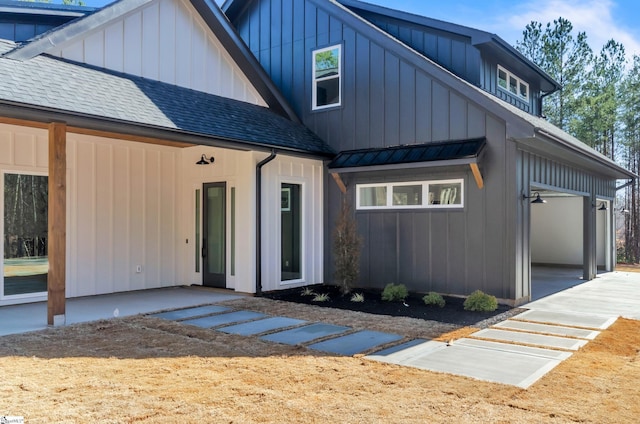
542,96
259,166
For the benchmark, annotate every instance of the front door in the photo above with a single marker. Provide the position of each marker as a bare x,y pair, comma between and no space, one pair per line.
214,237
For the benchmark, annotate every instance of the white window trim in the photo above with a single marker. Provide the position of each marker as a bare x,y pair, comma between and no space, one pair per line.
314,80
520,81
425,195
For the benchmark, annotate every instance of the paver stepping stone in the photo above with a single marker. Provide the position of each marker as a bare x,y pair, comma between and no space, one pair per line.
573,319
261,326
552,342
305,334
229,318
190,312
560,355
484,361
555,330
351,344
397,348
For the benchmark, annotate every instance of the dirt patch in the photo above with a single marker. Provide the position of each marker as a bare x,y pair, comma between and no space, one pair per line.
143,369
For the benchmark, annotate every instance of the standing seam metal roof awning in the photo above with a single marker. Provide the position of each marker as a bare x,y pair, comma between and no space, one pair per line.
447,153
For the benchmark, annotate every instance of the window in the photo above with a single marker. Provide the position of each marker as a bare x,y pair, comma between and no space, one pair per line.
326,77
291,232
26,263
512,84
411,195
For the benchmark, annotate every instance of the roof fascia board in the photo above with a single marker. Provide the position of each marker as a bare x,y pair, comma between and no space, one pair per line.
233,43
410,165
74,29
23,112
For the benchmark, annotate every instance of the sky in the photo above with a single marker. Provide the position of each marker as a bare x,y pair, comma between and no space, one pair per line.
600,19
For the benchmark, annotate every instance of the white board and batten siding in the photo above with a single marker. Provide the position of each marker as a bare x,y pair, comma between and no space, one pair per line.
238,169
308,173
122,215
121,209
167,41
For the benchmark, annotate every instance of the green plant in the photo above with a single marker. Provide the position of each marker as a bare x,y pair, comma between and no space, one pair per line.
394,292
357,297
307,291
320,297
480,302
433,298
346,249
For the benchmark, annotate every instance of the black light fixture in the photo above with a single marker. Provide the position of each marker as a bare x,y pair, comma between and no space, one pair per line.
603,207
205,161
537,199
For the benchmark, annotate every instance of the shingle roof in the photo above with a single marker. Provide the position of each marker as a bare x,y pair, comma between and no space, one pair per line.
68,87
428,152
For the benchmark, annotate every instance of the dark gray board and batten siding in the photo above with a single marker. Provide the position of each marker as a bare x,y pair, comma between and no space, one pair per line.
389,100
391,96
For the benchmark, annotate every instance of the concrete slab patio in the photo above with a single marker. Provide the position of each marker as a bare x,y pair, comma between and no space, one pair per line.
33,316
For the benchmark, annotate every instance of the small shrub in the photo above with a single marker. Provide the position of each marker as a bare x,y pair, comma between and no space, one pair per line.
320,297
357,297
480,302
433,298
395,292
307,291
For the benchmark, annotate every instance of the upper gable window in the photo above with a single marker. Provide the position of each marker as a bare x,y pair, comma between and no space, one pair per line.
512,84
327,71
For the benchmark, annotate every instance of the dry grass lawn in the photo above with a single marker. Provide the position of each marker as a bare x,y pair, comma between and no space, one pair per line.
147,370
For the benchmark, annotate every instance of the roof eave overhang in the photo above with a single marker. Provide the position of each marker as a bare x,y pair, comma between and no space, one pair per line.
544,143
44,115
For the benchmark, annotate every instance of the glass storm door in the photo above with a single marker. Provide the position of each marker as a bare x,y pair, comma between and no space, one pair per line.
214,237
25,234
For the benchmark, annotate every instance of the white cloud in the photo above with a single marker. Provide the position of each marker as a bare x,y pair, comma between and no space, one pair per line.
594,17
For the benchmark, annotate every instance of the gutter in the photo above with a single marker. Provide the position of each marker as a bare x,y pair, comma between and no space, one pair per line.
259,166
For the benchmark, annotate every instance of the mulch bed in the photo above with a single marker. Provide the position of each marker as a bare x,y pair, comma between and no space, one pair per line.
452,313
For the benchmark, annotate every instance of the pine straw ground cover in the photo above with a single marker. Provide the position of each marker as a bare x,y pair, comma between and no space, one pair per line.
147,370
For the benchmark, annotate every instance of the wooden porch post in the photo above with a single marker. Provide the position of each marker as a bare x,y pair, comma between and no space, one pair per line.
57,223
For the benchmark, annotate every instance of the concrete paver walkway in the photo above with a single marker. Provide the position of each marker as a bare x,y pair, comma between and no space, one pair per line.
522,349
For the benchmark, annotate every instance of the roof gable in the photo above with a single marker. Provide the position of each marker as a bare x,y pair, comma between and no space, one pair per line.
181,42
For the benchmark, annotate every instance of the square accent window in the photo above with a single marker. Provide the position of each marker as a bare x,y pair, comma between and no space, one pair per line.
326,77
414,195
512,84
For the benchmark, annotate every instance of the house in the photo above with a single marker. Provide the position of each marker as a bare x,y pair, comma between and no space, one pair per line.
174,146
441,146
164,155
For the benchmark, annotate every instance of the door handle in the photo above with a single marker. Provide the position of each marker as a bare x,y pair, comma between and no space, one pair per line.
204,248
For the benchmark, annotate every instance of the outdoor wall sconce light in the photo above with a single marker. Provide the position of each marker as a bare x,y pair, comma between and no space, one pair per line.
537,198
205,161
603,206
